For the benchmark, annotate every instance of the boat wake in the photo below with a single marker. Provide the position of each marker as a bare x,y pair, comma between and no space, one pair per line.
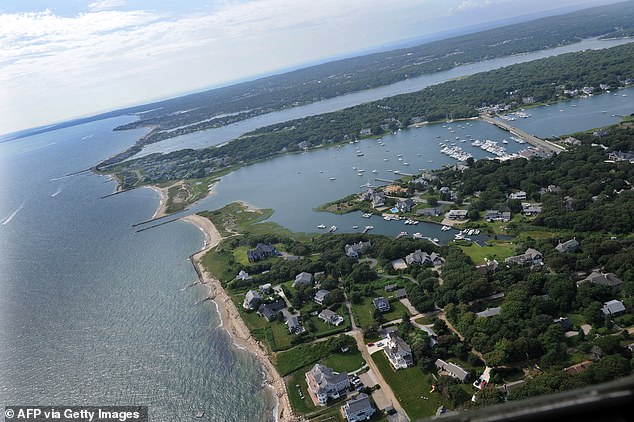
13,214
57,192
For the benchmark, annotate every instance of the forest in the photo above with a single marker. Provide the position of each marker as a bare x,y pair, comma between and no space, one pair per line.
229,104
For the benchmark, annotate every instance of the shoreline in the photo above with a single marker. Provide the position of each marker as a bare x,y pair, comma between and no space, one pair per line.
231,321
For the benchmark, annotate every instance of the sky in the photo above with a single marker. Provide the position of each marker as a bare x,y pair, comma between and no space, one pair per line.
62,59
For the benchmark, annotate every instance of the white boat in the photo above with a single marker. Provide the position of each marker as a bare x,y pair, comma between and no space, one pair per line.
375,171
332,229
321,226
333,178
355,227
445,228
367,228
402,234
367,215
417,236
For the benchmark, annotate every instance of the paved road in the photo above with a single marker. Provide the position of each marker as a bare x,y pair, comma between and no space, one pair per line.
532,139
385,387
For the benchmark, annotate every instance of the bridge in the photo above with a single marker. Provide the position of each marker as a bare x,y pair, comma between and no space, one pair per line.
531,139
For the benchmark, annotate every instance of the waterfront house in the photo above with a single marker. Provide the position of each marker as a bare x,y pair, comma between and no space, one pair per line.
378,200
521,195
601,278
303,278
381,303
398,352
428,212
405,205
269,310
293,324
530,257
252,300
452,369
325,384
457,214
495,215
330,317
613,307
321,295
568,246
489,312
356,249
423,258
261,251
358,409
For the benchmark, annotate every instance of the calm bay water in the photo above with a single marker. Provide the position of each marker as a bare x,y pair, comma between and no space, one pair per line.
93,313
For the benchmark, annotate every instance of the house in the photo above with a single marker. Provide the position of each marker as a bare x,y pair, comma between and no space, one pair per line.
303,278
563,322
294,326
489,312
391,287
423,258
330,317
489,267
580,367
531,209
495,215
265,288
568,246
457,214
433,337
621,156
252,300
381,303
243,275
405,205
356,249
521,195
397,351
530,257
613,307
270,310
604,279
358,409
452,369
325,384
428,212
261,251
400,294
321,295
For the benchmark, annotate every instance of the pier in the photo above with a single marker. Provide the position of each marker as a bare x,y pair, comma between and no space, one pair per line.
531,139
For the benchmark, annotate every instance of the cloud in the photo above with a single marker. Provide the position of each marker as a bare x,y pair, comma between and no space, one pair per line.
102,5
466,5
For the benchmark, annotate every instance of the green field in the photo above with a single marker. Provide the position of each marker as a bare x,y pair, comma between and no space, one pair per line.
364,312
410,386
344,362
498,251
301,406
305,354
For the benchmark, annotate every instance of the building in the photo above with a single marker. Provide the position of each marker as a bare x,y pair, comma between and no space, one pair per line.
261,251
521,195
265,288
398,352
495,215
400,294
252,300
325,384
270,310
489,267
452,369
613,307
303,278
433,337
605,279
530,257
293,324
457,214
428,212
571,245
489,312
531,209
405,205
356,249
563,322
423,258
391,287
382,304
330,317
321,295
358,409
243,275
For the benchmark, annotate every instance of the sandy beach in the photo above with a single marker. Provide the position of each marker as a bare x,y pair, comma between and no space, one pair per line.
162,192
232,321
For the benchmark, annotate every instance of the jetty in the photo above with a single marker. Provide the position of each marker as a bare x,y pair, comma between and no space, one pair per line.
531,139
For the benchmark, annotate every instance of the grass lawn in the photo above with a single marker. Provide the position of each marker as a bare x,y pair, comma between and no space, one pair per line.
297,378
409,385
218,263
364,312
537,234
323,329
426,320
344,362
281,337
240,255
498,251
305,354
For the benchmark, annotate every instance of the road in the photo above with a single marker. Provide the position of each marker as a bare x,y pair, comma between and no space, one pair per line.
357,334
532,139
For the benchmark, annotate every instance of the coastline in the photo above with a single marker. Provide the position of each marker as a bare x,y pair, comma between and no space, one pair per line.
231,320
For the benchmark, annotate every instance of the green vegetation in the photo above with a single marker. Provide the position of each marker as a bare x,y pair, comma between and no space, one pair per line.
307,354
497,250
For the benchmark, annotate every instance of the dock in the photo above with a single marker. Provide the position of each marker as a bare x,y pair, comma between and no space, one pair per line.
531,139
